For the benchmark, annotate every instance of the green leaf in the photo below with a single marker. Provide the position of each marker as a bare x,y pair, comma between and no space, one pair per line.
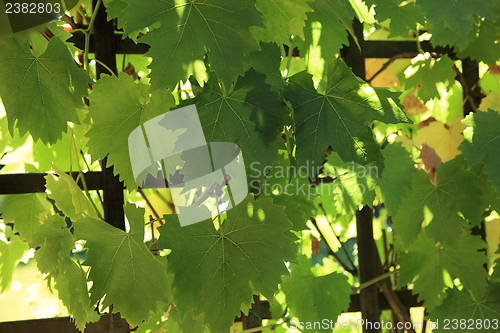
353,185
12,249
53,258
490,198
482,142
313,298
68,196
341,117
425,73
116,115
457,15
282,18
432,265
71,285
267,61
123,270
442,35
115,9
288,187
189,30
23,210
483,46
396,176
456,190
41,89
404,15
327,26
466,314
55,242
495,276
217,271
251,115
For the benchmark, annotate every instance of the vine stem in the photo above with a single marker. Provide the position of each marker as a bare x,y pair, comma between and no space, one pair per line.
374,280
87,37
332,253
80,174
105,66
88,168
338,239
148,203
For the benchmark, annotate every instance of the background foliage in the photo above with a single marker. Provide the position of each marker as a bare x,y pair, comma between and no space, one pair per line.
399,144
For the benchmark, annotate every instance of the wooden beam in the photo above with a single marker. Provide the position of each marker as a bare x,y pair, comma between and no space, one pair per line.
106,324
18,183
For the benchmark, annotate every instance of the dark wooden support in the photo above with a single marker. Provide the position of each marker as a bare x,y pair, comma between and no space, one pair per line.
367,250
368,268
353,56
104,48
104,41
18,183
471,91
472,96
105,324
371,49
259,311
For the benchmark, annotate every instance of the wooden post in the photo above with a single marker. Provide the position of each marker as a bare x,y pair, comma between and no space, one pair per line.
105,51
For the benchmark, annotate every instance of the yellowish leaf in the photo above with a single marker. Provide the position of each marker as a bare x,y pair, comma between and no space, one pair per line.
413,105
386,78
492,101
442,138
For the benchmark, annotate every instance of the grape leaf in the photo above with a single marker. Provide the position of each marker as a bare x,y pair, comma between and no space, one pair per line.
116,115
68,196
53,258
397,175
251,115
71,285
483,46
442,35
353,184
495,276
123,270
482,142
315,298
55,242
425,73
41,90
330,34
483,313
267,61
455,191
288,187
491,101
12,249
435,264
404,15
282,19
115,9
457,15
341,117
443,138
189,30
23,210
215,269
489,197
